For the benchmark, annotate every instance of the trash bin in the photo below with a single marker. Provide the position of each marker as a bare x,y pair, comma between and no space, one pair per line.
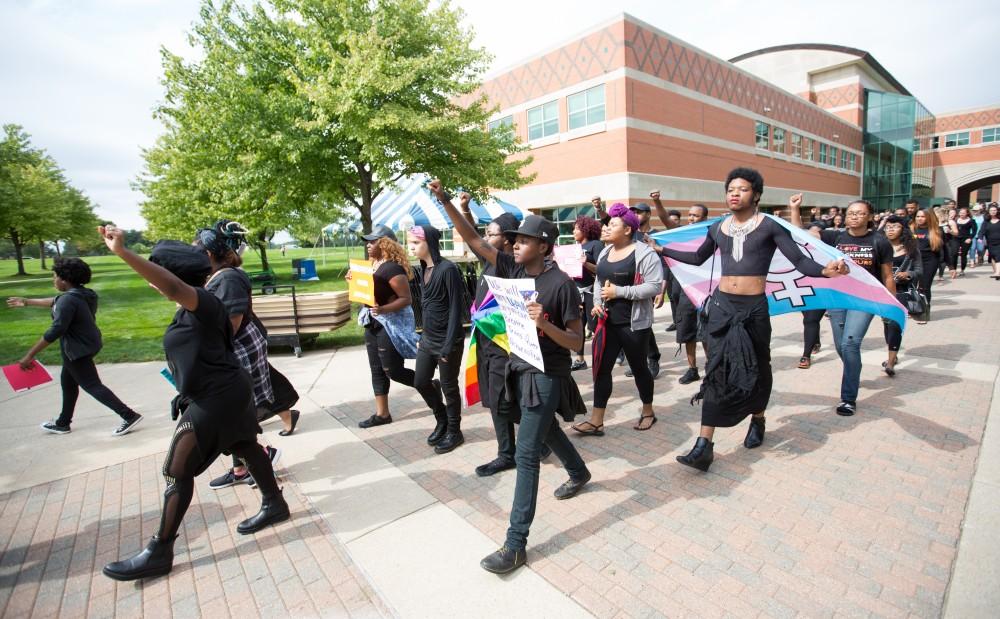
307,271
296,268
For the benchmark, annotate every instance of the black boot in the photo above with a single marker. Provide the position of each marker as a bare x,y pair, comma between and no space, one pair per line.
701,456
440,429
451,440
503,561
156,560
755,435
273,509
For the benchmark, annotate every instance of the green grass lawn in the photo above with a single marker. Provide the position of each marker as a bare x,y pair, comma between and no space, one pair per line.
132,316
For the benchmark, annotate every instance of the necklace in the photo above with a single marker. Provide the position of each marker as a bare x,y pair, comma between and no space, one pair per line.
739,232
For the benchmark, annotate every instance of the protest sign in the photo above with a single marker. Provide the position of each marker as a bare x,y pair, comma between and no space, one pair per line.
570,259
361,286
513,296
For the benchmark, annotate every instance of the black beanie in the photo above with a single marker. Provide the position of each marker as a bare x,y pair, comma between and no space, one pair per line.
187,262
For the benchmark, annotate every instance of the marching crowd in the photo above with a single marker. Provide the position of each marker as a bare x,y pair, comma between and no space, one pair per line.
216,348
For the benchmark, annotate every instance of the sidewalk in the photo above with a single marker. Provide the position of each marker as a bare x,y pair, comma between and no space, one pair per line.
875,515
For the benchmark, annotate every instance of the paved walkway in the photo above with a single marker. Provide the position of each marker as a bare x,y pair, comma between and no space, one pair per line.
891,513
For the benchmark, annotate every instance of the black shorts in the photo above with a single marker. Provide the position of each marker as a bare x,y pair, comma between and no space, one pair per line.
686,320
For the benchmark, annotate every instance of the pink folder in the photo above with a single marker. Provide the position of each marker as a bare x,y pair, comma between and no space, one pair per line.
21,380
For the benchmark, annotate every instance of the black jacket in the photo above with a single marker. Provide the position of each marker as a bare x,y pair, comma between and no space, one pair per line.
442,300
74,324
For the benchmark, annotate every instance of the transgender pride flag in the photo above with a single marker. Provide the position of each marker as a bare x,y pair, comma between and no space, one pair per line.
787,289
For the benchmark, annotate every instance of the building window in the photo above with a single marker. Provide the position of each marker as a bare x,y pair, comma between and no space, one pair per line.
956,139
843,158
586,108
543,120
809,149
779,140
832,159
506,121
822,153
935,142
991,135
797,146
854,163
763,133
565,218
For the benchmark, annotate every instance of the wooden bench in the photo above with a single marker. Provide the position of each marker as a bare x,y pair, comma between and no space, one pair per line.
291,319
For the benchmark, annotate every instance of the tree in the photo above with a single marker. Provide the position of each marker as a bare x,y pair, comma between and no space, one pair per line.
297,105
37,203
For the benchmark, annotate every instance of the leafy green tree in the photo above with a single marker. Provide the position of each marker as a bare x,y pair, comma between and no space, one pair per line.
297,105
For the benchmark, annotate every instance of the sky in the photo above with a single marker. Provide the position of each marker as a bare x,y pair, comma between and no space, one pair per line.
83,76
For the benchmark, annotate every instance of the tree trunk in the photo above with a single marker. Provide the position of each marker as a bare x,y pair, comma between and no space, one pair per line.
365,184
15,238
262,246
41,252
58,251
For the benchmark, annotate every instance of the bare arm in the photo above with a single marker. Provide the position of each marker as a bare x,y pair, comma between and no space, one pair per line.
25,302
661,211
463,227
570,338
794,216
888,279
168,284
39,346
401,288
236,320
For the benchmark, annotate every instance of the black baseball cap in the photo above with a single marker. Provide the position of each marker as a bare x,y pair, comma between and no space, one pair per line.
537,227
379,232
642,206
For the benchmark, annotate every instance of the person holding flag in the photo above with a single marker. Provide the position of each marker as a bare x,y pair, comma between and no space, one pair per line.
735,316
872,252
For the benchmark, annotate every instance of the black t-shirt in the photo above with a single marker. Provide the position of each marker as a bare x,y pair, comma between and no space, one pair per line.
991,232
560,300
591,250
620,273
966,230
381,278
199,349
924,243
870,251
485,345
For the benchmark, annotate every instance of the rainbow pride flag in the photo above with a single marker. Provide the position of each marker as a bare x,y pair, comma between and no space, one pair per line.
787,289
488,320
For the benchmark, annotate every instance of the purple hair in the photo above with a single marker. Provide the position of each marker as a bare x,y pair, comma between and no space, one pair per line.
590,227
622,212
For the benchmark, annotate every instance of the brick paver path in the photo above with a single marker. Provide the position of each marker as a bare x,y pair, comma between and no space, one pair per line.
56,537
831,517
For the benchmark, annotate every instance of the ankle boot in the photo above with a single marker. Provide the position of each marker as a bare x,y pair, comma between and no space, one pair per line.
156,560
755,434
701,456
439,430
273,509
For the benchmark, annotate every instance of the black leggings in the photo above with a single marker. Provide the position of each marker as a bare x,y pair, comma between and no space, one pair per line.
386,363
930,266
635,345
450,408
810,330
958,249
185,460
893,334
83,373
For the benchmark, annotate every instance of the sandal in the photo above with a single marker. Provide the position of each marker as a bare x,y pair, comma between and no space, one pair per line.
804,363
593,431
642,418
889,370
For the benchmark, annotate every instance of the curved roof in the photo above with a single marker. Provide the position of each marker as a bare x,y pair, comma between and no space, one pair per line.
826,47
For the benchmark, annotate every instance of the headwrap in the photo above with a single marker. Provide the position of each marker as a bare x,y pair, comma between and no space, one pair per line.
222,237
417,232
622,212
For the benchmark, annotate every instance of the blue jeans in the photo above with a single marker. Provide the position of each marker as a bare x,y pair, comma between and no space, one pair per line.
849,328
538,425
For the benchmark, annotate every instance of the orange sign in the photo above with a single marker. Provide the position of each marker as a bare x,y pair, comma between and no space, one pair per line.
361,285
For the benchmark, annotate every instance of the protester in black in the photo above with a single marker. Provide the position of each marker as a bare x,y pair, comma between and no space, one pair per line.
990,233
587,232
907,269
533,397
222,244
74,324
442,302
738,375
930,241
963,230
387,346
215,399
811,318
